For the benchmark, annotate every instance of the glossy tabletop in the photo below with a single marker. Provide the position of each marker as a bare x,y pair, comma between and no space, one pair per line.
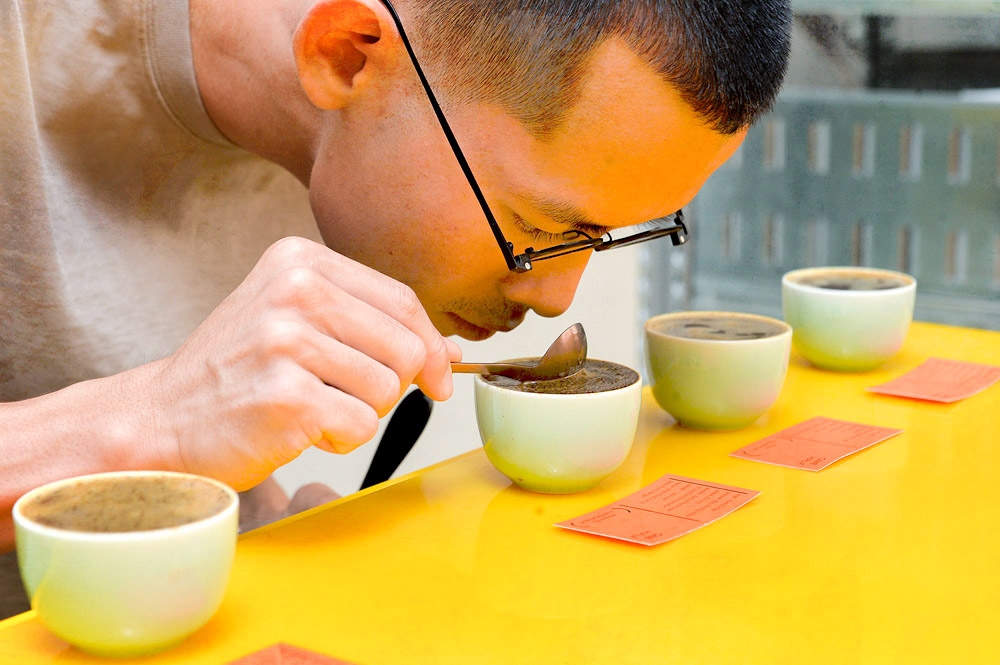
891,555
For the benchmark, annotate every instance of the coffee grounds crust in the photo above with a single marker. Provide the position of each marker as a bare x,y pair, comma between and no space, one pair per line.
597,376
118,505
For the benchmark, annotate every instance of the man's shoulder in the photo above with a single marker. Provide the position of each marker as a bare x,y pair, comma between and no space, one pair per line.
120,67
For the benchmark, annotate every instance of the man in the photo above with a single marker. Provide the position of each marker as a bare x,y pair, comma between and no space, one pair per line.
154,162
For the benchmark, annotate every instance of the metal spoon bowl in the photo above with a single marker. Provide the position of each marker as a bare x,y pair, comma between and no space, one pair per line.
566,356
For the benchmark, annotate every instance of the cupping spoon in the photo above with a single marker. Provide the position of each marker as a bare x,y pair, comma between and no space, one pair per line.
564,357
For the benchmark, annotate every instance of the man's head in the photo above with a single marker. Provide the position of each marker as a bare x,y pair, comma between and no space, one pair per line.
606,129
727,58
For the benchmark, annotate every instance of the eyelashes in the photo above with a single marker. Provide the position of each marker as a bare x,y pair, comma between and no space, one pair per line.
533,232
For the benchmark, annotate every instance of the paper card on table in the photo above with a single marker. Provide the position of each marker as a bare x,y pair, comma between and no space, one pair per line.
940,380
815,444
286,654
663,510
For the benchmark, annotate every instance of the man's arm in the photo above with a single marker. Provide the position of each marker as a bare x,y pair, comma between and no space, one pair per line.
85,428
310,350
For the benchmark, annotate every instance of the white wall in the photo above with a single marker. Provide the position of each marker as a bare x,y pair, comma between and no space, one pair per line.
607,304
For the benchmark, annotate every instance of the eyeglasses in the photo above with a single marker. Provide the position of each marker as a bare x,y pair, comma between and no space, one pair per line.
574,240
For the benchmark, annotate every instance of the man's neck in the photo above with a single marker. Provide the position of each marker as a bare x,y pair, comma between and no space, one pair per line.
246,73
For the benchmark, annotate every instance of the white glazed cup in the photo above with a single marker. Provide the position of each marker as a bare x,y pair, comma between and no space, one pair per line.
714,384
557,443
126,593
847,330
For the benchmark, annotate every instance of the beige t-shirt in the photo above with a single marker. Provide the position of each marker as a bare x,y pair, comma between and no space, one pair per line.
125,216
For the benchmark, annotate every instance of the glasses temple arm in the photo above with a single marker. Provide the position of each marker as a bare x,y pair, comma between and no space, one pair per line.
517,263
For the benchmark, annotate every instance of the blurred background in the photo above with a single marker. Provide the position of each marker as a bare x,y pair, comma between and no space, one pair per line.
883,150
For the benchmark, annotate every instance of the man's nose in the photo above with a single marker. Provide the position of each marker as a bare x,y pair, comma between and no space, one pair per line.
549,287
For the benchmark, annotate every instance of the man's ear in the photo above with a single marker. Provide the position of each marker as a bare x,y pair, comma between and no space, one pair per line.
331,49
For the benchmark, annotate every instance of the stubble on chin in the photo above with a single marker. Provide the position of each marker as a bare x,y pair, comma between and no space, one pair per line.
478,321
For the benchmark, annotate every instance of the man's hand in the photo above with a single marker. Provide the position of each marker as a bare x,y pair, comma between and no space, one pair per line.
311,349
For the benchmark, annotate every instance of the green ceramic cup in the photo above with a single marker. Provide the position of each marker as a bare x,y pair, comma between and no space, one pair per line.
846,318
557,443
716,370
126,592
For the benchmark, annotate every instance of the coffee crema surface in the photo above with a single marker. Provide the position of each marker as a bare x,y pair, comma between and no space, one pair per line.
721,328
117,505
597,376
846,281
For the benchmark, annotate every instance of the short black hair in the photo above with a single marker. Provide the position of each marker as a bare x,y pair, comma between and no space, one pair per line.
727,58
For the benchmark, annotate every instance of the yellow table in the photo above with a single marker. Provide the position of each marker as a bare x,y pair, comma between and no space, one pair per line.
891,555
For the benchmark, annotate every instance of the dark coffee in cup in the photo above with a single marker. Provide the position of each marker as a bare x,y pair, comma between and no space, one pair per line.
121,504
727,327
596,376
851,281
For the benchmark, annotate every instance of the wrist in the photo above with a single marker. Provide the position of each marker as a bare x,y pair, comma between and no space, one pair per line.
93,426
132,423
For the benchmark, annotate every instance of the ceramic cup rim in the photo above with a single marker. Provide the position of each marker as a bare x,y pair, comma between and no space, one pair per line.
789,280
123,536
653,320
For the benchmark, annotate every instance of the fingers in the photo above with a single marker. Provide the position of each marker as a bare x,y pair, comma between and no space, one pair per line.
402,338
338,422
310,350
360,350
454,350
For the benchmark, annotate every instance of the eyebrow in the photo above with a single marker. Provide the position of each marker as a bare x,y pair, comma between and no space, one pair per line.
565,214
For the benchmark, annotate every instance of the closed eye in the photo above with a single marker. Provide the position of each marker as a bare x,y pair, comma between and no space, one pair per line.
534,232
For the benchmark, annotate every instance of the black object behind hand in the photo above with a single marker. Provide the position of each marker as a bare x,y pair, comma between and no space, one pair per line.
404,428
